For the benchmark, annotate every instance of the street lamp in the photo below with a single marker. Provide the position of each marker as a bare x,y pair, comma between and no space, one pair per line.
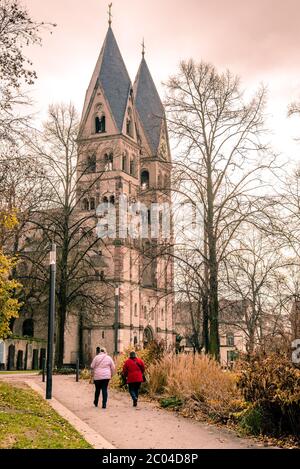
51,315
117,294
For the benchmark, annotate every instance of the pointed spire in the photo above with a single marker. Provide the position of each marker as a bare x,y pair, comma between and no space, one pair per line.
109,14
143,48
149,106
111,74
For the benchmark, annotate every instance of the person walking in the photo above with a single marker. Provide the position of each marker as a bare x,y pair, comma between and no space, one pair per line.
103,368
133,370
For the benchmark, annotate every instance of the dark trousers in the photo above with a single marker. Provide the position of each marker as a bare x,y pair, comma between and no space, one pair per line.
101,385
134,390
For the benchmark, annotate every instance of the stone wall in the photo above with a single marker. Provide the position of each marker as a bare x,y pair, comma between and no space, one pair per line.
22,354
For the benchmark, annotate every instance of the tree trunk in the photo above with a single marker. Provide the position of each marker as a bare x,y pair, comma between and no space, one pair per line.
214,341
80,344
60,337
205,328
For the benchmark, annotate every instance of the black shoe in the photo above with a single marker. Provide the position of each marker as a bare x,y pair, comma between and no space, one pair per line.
103,406
95,404
134,402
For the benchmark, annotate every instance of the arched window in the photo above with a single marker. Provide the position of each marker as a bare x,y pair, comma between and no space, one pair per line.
91,164
100,124
145,179
92,204
159,178
28,328
105,200
85,205
132,167
108,160
129,126
162,314
112,200
145,312
166,181
135,340
124,162
135,310
230,339
152,314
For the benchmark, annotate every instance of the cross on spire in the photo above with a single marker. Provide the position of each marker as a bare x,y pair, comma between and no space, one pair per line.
109,14
143,48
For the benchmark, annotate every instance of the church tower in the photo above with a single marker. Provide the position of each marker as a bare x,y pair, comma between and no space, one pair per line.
124,150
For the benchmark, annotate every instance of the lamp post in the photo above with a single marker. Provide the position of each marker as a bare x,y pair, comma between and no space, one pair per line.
117,294
51,315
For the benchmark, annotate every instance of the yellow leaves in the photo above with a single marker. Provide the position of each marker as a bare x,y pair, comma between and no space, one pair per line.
8,220
9,305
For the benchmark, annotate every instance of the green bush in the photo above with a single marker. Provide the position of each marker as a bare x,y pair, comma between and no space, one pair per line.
64,371
171,402
252,420
271,384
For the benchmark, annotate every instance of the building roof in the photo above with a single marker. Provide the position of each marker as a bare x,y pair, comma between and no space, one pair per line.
111,74
149,106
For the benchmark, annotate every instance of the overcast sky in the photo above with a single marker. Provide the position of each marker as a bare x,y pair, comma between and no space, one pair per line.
256,39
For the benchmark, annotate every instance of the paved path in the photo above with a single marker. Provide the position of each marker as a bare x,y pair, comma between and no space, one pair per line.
147,426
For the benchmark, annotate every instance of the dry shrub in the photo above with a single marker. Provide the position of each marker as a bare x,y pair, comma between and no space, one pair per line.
197,381
272,385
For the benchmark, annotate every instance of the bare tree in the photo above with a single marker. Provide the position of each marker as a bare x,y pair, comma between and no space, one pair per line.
220,162
70,223
251,275
17,31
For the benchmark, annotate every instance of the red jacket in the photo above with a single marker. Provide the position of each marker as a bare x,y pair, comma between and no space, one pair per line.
133,369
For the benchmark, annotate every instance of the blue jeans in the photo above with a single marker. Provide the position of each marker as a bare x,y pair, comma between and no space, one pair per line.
134,390
101,385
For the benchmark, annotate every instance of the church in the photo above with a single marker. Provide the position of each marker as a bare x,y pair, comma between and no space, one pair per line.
123,135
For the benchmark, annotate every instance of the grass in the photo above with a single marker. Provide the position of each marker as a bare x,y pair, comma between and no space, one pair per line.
16,372
28,422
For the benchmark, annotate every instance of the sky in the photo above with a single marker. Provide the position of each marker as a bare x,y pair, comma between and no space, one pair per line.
255,39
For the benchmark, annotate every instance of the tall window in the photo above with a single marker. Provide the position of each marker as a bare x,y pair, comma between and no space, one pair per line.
28,328
145,179
159,180
91,164
92,204
145,312
230,339
162,314
100,124
132,168
129,130
85,205
135,310
124,162
108,160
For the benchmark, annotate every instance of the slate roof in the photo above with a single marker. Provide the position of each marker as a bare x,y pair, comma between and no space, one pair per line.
148,105
111,73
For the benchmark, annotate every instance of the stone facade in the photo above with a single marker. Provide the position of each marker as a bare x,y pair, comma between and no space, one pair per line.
123,132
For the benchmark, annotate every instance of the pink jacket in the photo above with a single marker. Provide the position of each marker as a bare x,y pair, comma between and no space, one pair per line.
102,366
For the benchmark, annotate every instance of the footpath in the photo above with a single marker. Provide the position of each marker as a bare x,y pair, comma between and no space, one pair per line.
122,426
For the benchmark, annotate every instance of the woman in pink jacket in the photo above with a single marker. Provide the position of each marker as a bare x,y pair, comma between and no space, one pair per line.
103,369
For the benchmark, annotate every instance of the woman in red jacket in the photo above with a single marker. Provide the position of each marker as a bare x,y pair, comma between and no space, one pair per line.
133,370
